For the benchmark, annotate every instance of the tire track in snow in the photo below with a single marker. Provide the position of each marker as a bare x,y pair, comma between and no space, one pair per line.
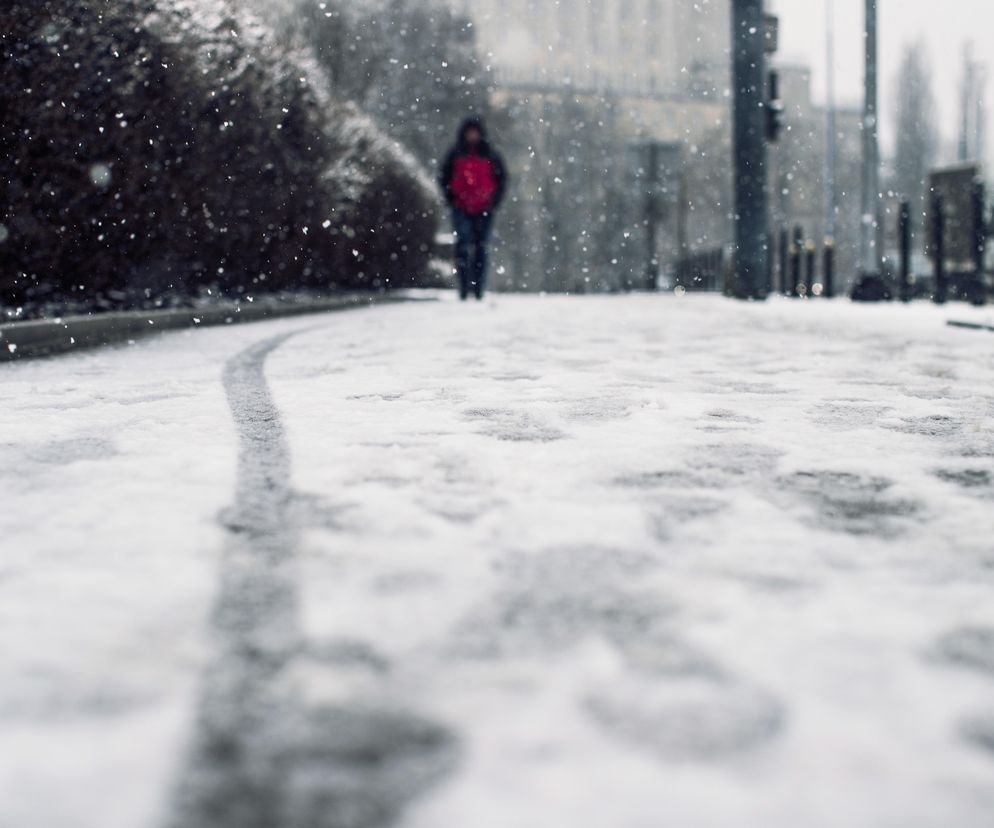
259,757
236,775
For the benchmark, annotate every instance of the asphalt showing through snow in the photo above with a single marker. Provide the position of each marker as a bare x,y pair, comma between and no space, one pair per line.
237,773
260,758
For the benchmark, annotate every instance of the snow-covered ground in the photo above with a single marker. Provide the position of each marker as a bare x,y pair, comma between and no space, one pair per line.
544,563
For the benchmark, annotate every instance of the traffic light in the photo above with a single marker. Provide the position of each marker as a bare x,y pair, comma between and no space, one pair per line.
775,111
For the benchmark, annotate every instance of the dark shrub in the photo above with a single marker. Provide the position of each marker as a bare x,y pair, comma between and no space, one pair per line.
156,146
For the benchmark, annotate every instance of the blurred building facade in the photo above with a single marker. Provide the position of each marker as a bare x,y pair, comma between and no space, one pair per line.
798,162
592,83
669,47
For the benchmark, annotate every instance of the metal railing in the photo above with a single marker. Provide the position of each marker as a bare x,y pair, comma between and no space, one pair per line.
702,271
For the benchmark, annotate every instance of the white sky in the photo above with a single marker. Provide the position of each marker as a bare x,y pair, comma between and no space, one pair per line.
944,25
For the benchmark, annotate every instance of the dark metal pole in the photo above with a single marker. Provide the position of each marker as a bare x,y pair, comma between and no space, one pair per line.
681,216
978,294
768,286
784,259
832,133
810,256
904,234
979,226
652,217
869,238
941,291
749,148
795,261
829,275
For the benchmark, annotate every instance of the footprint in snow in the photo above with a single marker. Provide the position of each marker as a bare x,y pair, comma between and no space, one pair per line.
976,481
694,720
514,426
980,733
852,503
970,647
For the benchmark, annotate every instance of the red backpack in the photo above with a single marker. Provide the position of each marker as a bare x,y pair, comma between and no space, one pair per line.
474,185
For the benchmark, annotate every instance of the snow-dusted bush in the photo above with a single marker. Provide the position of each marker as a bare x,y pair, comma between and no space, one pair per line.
157,145
384,204
412,65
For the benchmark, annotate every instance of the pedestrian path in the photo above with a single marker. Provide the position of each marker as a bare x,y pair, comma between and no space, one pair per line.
581,562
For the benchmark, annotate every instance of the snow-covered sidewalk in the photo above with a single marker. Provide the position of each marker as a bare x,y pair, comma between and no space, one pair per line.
550,563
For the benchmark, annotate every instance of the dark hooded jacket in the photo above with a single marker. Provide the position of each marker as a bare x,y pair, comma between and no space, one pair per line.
462,151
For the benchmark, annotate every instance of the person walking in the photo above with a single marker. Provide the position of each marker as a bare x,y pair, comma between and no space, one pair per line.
474,181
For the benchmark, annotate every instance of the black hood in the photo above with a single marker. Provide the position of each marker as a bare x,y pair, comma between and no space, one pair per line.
476,123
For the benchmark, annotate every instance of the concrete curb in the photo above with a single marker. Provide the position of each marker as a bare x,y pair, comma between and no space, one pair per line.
971,326
46,337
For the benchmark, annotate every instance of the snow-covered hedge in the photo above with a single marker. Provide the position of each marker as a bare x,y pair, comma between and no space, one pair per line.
155,146
413,65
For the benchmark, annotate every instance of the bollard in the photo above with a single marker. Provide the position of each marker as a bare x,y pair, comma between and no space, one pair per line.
811,287
904,235
795,261
941,290
784,261
769,264
652,217
978,292
828,268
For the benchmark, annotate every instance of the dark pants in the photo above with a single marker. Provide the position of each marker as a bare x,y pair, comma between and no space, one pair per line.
472,234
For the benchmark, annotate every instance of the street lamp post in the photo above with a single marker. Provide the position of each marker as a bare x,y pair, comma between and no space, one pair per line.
652,211
869,243
750,117
831,130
